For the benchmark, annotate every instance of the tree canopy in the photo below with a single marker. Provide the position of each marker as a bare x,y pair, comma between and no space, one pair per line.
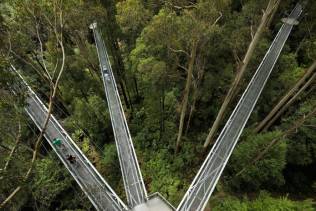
180,66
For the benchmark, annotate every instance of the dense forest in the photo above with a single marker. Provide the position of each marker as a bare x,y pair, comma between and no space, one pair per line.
181,67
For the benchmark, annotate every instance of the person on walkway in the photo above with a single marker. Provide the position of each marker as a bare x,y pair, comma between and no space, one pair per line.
71,159
57,142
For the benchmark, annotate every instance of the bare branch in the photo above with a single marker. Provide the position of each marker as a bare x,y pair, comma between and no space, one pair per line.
10,45
234,88
291,130
50,106
288,96
218,18
184,7
42,53
55,68
52,97
18,137
251,32
182,67
29,63
237,58
10,197
179,51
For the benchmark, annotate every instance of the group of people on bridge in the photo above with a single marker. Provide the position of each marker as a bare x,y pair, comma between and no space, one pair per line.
58,143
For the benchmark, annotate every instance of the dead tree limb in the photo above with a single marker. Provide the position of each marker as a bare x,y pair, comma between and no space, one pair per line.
285,99
291,130
290,102
191,65
59,39
185,99
196,85
272,5
17,140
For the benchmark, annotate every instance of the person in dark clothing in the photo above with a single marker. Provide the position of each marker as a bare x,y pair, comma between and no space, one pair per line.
71,159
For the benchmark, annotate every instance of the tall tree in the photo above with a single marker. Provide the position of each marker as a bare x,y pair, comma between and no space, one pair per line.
202,27
288,98
113,35
241,69
56,31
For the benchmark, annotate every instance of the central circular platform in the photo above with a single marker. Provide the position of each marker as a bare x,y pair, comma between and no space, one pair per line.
156,202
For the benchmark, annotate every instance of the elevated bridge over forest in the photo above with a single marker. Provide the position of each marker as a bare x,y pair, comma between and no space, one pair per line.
99,191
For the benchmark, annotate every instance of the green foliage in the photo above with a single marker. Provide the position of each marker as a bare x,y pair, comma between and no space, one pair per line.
264,202
132,16
267,172
85,146
11,178
111,169
110,155
301,145
162,177
92,115
51,182
149,44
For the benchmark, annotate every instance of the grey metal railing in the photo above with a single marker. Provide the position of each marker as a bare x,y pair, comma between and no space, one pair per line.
206,179
132,177
90,181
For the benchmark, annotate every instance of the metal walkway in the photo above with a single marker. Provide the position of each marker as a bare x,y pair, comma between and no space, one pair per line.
206,179
133,181
97,189
91,182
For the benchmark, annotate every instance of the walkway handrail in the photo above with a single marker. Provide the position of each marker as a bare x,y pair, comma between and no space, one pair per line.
132,177
206,179
90,181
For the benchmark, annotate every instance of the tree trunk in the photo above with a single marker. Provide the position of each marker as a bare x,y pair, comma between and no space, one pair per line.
10,196
272,5
5,147
274,9
195,93
121,83
186,93
162,112
286,97
36,149
22,144
17,140
192,109
112,36
54,87
136,87
129,99
295,126
289,103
